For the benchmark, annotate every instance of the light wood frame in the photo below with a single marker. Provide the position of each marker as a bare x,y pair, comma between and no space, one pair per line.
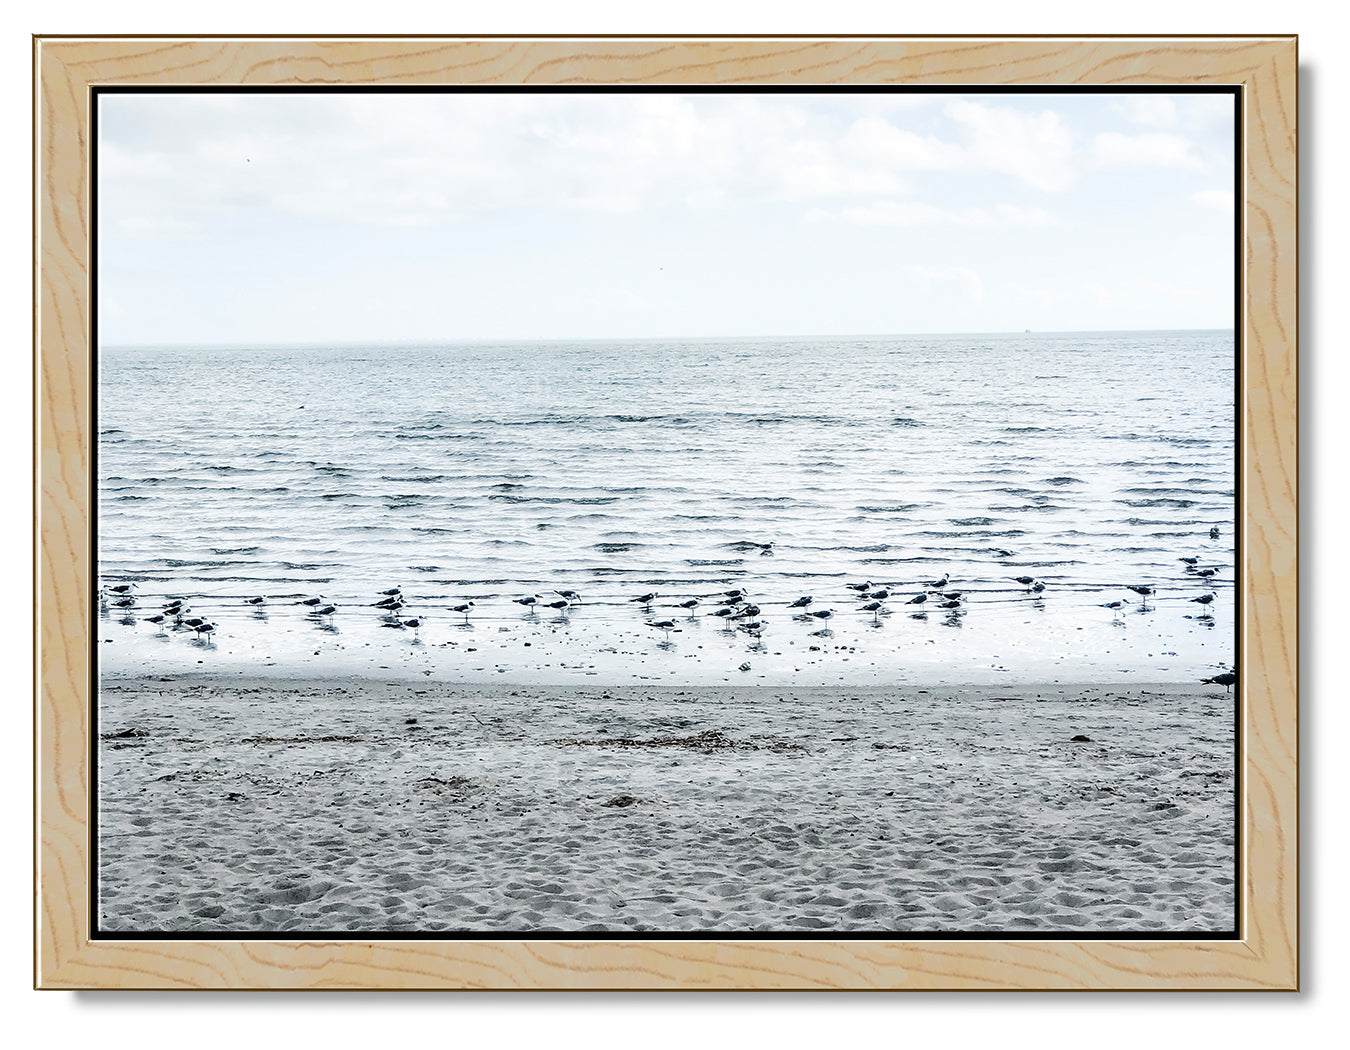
1266,955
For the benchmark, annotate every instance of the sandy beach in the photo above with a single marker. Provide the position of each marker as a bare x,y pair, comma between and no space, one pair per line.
368,806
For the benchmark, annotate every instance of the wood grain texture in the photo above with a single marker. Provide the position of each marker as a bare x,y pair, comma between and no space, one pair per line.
1267,955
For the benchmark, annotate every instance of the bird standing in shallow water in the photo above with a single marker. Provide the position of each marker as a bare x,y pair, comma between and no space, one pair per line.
1227,680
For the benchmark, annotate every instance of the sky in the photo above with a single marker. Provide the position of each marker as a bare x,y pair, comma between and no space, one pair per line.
305,218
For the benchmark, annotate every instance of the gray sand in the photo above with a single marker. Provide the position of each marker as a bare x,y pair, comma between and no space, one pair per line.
354,805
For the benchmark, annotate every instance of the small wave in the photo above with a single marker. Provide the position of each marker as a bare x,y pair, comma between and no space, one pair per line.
580,500
1065,480
1179,504
893,508
971,521
906,421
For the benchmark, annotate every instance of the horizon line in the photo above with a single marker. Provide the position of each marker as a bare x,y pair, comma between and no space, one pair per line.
471,340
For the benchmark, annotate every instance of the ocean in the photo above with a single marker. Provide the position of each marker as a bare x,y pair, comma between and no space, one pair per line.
490,472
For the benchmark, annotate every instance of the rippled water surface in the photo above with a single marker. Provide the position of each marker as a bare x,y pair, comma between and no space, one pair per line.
490,472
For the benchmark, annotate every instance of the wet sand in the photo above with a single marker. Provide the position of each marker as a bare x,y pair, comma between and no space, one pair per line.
366,806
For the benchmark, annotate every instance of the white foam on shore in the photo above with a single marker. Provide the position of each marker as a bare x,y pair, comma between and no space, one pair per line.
1023,641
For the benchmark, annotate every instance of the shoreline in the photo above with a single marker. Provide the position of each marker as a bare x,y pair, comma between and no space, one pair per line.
347,805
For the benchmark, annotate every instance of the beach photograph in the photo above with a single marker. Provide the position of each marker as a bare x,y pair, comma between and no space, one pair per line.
666,513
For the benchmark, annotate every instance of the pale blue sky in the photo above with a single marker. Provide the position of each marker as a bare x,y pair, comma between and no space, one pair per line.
237,218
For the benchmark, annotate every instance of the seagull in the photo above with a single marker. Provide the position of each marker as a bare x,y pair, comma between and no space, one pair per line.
875,609
194,623
821,614
1189,561
393,592
859,586
204,628
389,603
937,585
311,601
726,612
1214,533
746,611
1025,581
122,588
1037,587
735,596
527,601
125,603
254,601
689,603
999,552
953,604
571,596
951,595
324,610
802,602
1227,680
645,599
158,621
1143,592
665,625
1113,605
463,609
879,595
1206,573
1204,599
754,627
918,599
561,603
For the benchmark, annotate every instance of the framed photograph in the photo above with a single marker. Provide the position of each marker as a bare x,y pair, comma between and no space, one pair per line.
667,513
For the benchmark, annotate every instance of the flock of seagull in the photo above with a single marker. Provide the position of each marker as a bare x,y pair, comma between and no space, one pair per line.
735,608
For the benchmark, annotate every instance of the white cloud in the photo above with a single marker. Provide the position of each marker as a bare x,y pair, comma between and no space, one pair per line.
1034,147
917,213
1223,200
960,276
1156,111
1150,149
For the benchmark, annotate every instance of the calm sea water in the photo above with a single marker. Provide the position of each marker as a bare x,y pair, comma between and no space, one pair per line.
1091,461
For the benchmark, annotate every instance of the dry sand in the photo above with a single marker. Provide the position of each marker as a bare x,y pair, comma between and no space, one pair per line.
360,806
